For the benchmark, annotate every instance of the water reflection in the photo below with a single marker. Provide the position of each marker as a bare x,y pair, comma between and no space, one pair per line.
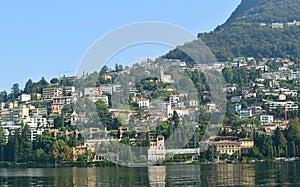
157,175
259,174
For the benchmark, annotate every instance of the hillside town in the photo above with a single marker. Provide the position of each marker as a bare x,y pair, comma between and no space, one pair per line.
262,103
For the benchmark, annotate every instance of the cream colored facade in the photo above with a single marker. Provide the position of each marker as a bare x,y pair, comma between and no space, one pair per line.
157,149
227,147
230,147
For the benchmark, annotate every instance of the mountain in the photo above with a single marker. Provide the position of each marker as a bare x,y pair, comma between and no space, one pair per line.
265,11
257,28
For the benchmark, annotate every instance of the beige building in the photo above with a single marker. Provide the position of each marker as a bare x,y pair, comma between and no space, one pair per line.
227,147
80,150
49,93
59,102
157,149
231,144
246,144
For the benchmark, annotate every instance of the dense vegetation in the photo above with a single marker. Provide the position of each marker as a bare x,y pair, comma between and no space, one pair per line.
45,149
242,34
265,11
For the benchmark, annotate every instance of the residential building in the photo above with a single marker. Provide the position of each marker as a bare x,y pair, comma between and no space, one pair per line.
157,149
193,103
237,108
210,107
226,147
246,113
106,77
230,89
230,144
266,118
174,98
144,102
69,90
2,106
81,150
49,93
236,99
246,144
59,102
93,91
277,25
288,105
39,112
34,132
6,115
37,122
107,88
25,97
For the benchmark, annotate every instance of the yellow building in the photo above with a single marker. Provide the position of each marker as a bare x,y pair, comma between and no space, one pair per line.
107,77
246,144
25,112
231,146
227,147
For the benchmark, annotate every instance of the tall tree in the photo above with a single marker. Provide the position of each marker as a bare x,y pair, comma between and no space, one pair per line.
25,145
104,115
15,90
2,142
28,86
61,151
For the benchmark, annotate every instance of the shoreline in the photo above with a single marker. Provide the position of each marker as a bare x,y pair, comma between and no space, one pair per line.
165,163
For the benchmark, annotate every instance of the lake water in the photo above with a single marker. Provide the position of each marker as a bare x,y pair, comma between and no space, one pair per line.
258,174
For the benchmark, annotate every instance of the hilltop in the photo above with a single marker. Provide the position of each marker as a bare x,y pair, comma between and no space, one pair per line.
257,28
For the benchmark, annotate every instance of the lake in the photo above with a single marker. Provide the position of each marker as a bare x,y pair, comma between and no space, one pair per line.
256,174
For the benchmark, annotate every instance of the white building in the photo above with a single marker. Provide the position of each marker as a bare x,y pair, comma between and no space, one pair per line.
59,102
34,132
25,97
110,88
49,93
92,91
193,103
39,112
210,107
237,108
246,113
37,122
2,106
277,25
174,98
103,98
144,102
289,105
266,118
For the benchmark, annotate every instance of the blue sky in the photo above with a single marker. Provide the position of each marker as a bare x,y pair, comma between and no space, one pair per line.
49,38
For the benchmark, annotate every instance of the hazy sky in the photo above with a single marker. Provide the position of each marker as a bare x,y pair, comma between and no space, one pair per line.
49,38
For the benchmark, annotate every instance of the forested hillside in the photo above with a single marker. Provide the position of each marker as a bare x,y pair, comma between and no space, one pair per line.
249,33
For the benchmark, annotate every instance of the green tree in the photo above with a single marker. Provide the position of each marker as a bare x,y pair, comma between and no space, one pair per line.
292,133
13,146
25,145
43,146
2,142
15,90
61,151
104,70
105,115
54,81
28,86
280,142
